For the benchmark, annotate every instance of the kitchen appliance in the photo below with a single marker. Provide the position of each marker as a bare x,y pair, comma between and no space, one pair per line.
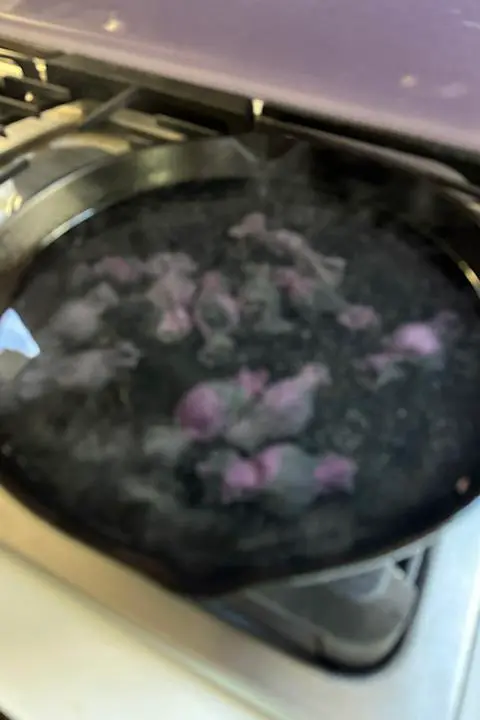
268,610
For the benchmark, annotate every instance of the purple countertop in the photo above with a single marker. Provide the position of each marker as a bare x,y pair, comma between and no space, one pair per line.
412,65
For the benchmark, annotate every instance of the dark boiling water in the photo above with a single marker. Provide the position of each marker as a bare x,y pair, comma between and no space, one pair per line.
246,474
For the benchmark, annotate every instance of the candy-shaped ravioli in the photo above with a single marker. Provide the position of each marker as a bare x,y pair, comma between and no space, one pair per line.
159,264
288,474
174,326
417,343
284,410
77,320
216,310
93,369
171,290
308,295
359,317
122,270
216,315
260,301
335,473
208,408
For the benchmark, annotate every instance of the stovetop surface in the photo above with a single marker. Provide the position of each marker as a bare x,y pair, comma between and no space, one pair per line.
440,642
372,63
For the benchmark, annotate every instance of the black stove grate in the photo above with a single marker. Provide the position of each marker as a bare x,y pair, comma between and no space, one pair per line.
33,81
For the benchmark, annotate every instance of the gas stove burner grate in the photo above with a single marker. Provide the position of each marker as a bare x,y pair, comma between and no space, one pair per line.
46,96
24,88
350,625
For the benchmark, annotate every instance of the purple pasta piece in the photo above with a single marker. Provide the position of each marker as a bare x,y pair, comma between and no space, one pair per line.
162,263
102,296
171,290
237,475
120,269
208,408
260,301
252,224
125,355
329,270
269,461
422,340
287,473
77,320
379,362
216,311
309,295
253,381
335,473
202,412
284,410
241,477
359,317
94,368
291,392
217,350
290,241
216,314
285,461
217,464
174,326
179,287
336,266
298,286
80,275
33,382
415,340
383,365
90,370
166,442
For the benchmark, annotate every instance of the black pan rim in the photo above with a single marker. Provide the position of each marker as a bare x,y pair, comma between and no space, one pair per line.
217,585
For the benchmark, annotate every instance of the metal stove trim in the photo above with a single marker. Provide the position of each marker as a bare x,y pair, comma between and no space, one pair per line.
31,131
439,644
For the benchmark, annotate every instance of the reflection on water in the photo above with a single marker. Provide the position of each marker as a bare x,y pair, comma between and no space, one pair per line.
17,345
10,199
15,336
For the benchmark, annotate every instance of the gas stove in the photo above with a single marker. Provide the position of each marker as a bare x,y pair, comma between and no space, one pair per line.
354,644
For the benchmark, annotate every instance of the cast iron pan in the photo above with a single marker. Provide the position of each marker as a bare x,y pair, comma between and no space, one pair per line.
251,367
